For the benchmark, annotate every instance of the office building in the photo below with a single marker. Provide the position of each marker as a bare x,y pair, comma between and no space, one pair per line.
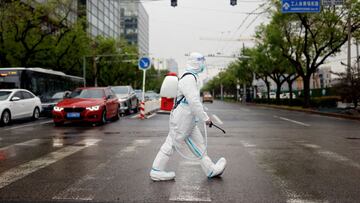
135,25
103,17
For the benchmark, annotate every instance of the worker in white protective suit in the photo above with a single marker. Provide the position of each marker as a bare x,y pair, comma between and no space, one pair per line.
183,128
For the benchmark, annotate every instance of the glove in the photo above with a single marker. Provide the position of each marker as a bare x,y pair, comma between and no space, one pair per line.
209,123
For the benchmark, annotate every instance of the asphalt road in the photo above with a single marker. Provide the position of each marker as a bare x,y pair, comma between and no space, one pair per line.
273,156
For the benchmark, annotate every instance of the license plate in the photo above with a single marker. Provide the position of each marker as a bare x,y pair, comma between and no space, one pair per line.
73,115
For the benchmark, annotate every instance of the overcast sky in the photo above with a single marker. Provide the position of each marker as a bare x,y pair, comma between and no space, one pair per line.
176,31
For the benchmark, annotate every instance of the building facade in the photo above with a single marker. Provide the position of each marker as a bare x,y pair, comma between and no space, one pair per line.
135,25
103,17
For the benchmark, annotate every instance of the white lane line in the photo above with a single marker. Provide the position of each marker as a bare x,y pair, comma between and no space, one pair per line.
87,186
28,125
247,144
191,184
152,115
293,121
291,195
23,170
33,142
135,116
332,156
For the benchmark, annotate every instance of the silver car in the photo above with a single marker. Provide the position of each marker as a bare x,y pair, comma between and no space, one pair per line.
128,100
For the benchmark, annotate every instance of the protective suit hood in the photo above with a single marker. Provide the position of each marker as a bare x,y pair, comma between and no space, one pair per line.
196,63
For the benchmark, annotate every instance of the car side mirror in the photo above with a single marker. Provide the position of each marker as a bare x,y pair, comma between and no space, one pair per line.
15,99
108,97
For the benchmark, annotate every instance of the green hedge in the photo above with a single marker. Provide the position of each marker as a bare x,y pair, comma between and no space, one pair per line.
327,102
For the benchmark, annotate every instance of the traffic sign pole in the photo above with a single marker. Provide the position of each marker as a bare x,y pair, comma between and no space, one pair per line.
144,64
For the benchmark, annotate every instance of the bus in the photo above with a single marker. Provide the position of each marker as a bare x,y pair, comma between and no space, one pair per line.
44,83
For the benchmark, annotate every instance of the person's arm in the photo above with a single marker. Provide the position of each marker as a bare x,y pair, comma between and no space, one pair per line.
188,88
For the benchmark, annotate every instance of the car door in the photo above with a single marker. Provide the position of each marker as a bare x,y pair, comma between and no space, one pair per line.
17,108
29,103
109,103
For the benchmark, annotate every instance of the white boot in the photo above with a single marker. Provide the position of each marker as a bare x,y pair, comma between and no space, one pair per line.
212,170
157,172
219,168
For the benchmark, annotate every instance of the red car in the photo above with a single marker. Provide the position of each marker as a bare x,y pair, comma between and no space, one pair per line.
96,105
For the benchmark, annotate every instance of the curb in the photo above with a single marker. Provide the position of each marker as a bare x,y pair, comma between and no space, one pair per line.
337,115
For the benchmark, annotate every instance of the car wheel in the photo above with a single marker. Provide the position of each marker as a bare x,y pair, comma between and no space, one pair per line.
36,114
5,118
103,117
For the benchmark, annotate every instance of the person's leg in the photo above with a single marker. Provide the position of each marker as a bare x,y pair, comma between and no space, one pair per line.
196,144
158,168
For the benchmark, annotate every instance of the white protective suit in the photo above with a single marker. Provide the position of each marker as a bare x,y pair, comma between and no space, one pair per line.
183,127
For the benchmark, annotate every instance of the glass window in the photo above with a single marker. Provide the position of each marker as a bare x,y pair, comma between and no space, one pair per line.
120,89
4,95
18,94
88,93
27,95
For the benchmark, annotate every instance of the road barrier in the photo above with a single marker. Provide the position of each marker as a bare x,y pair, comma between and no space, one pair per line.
148,107
152,106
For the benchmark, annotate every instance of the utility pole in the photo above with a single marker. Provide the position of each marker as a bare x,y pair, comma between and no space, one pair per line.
358,58
349,41
244,85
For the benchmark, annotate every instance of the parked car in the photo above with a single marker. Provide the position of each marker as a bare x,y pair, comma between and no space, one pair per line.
207,97
272,95
151,95
139,94
127,98
18,103
95,105
49,103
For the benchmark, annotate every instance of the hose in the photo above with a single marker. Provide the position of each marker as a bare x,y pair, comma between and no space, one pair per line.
201,155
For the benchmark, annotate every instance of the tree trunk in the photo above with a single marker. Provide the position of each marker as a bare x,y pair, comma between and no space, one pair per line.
278,91
290,82
268,90
306,81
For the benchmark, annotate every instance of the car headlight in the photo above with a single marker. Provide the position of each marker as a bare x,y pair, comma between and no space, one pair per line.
93,108
56,108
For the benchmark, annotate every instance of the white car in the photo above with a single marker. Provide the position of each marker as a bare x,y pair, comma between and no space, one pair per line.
18,103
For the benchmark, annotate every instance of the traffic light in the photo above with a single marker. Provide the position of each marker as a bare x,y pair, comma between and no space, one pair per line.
173,3
233,2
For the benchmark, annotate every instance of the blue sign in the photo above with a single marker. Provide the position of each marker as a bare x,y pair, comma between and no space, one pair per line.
300,6
144,63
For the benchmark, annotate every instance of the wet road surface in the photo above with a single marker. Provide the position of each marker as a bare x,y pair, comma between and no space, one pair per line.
273,156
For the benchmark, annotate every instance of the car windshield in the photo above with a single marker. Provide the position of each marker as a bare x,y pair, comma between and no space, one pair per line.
120,90
88,93
4,95
58,95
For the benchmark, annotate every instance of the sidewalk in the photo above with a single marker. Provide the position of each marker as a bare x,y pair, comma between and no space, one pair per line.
313,111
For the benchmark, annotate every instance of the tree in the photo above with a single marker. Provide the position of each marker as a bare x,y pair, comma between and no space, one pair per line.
41,35
349,86
307,40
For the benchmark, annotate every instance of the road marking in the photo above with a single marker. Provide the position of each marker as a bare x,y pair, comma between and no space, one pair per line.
85,188
135,116
191,184
23,170
293,121
291,195
246,144
28,125
33,142
332,156
152,115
